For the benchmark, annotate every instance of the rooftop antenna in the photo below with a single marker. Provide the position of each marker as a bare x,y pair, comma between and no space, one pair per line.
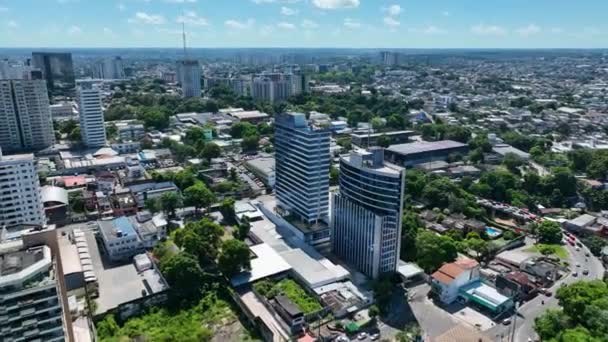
184,38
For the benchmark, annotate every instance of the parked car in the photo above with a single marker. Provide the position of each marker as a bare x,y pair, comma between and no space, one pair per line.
362,336
506,321
375,337
585,272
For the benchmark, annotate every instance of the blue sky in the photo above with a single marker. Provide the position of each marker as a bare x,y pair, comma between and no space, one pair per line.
305,23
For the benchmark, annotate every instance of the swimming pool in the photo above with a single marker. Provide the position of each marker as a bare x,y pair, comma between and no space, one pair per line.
493,232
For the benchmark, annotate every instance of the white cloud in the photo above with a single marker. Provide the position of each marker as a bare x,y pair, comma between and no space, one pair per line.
393,10
309,24
3,9
529,30
181,1
121,7
288,11
431,30
191,18
391,22
336,4
351,23
557,30
446,13
12,24
488,30
108,31
145,18
74,30
239,25
286,25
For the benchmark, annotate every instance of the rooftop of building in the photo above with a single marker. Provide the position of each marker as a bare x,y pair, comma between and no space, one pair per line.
16,157
424,146
266,262
287,305
266,165
147,186
17,265
117,228
372,159
378,134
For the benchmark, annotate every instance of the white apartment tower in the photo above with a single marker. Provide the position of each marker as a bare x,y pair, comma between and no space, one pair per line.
20,198
189,77
25,115
112,69
92,127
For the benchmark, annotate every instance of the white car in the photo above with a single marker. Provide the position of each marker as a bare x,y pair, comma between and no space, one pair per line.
362,336
374,337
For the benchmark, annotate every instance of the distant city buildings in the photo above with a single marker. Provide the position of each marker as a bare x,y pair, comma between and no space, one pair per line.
92,127
21,199
189,77
367,211
302,167
58,71
25,115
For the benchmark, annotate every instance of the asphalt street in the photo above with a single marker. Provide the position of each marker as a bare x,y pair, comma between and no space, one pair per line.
523,323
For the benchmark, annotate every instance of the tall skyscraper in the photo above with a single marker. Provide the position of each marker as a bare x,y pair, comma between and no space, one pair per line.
58,71
90,110
302,167
189,77
25,115
366,212
20,198
112,69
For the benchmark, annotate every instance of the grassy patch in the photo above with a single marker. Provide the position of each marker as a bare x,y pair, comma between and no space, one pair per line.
305,302
198,323
545,249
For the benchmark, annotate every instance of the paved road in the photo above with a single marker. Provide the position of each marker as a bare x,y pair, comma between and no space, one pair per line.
524,323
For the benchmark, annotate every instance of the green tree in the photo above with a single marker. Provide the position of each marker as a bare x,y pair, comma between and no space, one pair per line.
410,224
433,250
512,162
243,228
550,324
111,131
242,129
227,209
184,178
152,205
234,257
334,175
384,141
184,274
198,196
201,239
169,202
210,151
107,327
250,143
549,232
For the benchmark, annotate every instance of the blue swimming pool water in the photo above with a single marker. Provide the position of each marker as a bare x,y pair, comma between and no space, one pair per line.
493,231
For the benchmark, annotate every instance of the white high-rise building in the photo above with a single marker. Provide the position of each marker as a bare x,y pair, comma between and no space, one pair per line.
366,212
25,115
20,197
112,69
92,127
189,77
302,167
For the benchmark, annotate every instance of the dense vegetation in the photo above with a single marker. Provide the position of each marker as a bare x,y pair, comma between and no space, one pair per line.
583,317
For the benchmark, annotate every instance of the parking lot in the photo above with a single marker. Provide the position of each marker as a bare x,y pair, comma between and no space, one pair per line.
117,283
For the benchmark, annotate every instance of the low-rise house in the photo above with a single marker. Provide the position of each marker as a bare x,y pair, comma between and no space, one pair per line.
150,190
290,313
120,238
449,278
517,285
151,228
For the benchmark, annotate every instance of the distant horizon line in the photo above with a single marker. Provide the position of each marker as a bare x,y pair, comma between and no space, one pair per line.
301,48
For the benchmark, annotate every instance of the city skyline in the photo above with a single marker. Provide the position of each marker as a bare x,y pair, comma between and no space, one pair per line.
303,23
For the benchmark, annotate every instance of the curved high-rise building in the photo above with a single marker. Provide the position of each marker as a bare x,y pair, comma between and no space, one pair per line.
367,211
